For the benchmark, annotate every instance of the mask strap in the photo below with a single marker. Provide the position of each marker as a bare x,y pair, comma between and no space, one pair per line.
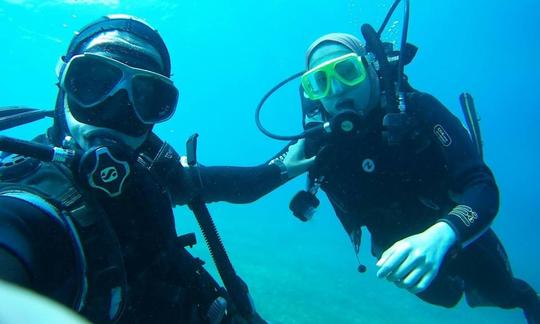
60,67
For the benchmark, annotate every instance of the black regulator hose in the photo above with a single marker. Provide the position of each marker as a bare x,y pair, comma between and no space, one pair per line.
403,45
403,35
261,104
388,16
42,152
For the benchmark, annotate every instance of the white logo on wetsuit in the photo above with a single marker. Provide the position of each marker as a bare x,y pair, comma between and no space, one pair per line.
368,165
465,213
442,135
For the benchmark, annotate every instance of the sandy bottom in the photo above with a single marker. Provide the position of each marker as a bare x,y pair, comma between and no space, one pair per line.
306,273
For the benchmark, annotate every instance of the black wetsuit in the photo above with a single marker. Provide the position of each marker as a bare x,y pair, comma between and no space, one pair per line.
433,174
37,252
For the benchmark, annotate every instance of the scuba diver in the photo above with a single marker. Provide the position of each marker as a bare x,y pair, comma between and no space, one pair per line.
86,209
396,161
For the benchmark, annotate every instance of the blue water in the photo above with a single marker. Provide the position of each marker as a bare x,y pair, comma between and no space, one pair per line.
226,54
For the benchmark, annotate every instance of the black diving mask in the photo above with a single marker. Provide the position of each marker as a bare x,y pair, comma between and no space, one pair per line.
90,79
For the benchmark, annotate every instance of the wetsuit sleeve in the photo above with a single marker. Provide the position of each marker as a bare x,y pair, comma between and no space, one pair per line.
35,252
241,185
471,182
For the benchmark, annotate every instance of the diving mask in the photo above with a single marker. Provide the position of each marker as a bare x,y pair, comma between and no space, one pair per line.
348,69
90,79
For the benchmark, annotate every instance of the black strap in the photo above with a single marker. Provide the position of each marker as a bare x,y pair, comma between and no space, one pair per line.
107,274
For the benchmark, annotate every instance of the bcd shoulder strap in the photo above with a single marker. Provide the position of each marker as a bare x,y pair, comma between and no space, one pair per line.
102,289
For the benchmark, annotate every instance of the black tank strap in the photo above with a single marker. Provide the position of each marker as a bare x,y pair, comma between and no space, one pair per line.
102,290
105,295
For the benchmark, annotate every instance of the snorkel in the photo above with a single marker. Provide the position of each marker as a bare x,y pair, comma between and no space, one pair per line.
392,88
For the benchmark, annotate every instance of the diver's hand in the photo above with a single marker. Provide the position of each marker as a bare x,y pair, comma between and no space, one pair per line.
413,263
295,160
17,302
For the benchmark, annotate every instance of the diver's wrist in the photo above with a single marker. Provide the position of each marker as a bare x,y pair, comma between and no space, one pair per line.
283,170
445,232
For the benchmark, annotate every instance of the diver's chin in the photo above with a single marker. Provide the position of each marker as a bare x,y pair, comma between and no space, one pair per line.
99,134
344,104
352,105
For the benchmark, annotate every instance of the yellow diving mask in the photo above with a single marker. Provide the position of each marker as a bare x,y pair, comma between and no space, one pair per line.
348,69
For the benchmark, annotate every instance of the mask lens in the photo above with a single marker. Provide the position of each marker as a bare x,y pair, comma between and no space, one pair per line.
154,99
350,71
315,84
88,80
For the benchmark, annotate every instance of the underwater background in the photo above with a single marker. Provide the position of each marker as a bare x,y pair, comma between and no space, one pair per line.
227,54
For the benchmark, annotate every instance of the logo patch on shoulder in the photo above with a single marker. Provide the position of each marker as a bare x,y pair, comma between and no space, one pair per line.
442,135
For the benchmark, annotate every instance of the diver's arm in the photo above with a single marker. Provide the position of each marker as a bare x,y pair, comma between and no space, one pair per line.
413,262
243,184
239,184
247,184
471,180
35,252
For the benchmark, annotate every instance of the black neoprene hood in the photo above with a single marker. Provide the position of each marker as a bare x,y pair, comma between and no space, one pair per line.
123,23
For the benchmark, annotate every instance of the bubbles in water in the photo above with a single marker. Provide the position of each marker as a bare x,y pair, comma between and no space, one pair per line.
393,30
392,33
353,12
